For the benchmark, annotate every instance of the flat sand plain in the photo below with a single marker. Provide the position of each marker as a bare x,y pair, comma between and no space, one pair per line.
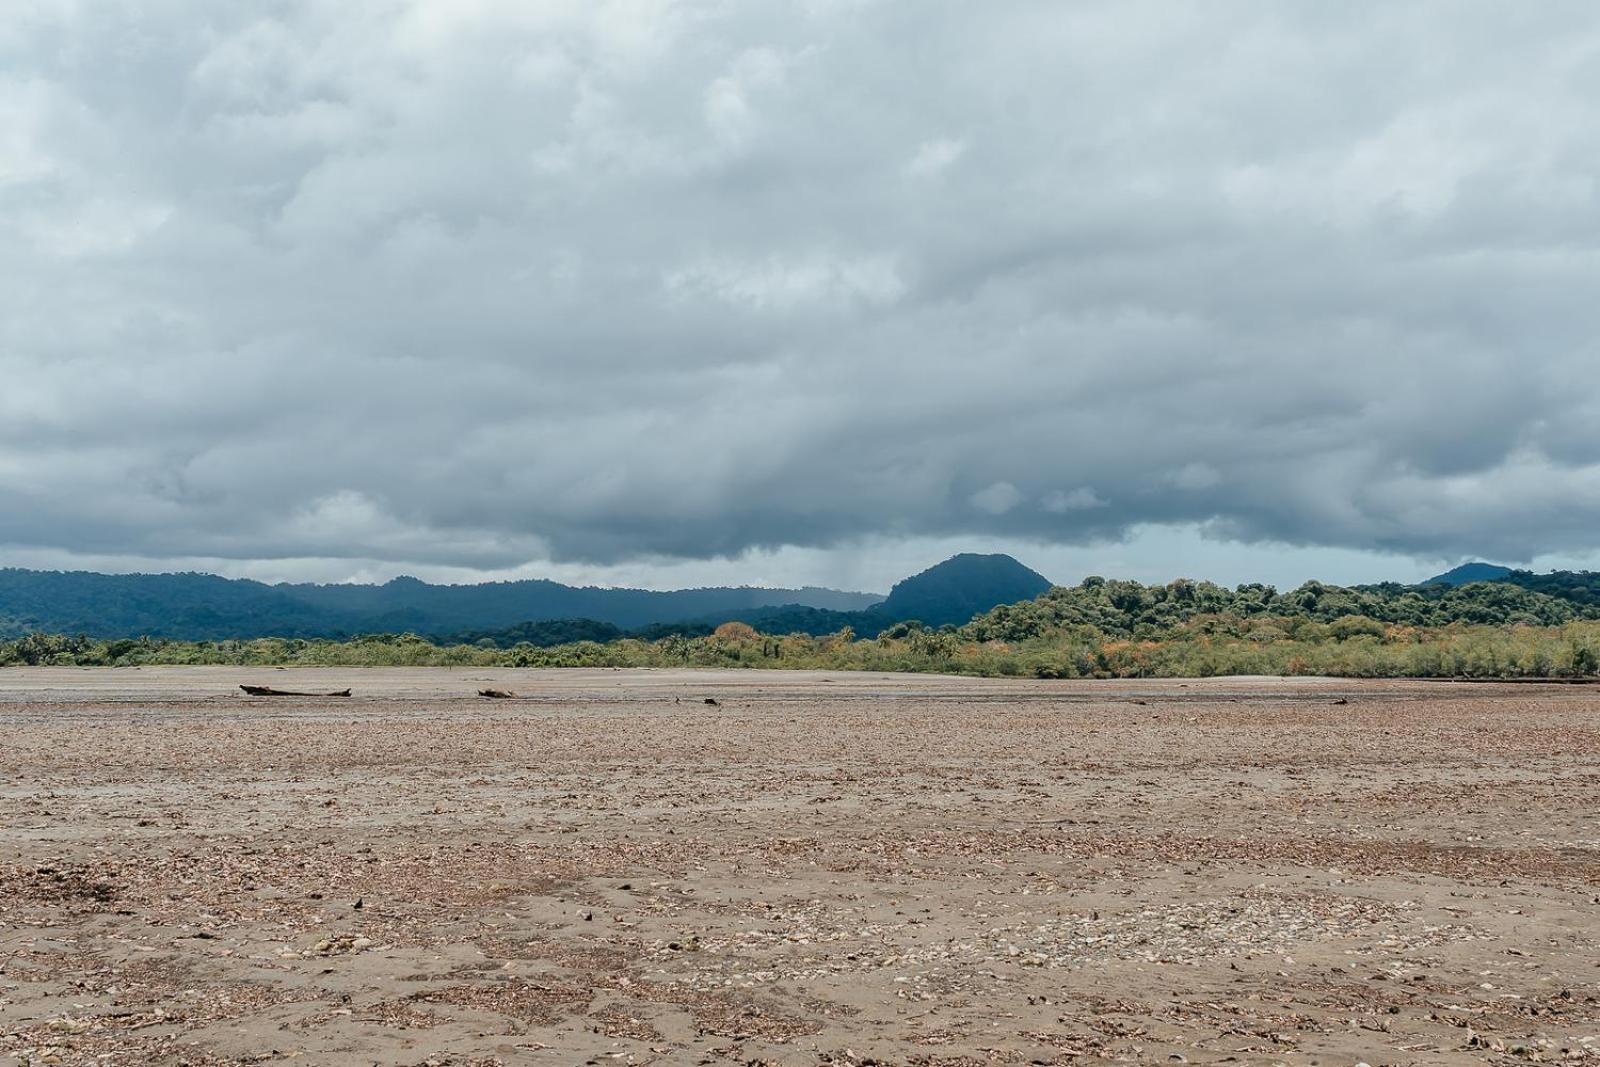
818,868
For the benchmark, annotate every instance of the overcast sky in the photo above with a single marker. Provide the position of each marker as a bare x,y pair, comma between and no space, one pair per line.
676,291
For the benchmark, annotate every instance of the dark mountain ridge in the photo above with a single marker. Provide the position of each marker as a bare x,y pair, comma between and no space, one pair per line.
206,607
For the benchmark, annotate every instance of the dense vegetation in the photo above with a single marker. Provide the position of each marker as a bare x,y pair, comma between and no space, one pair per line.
1100,629
1130,609
1579,588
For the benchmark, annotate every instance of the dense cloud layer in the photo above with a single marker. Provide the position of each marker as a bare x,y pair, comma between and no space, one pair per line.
476,282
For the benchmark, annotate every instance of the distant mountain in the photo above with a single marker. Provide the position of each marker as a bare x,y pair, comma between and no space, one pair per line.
1468,573
959,588
205,607
947,594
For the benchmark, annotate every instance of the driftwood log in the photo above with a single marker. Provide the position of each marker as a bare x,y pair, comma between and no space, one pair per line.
268,691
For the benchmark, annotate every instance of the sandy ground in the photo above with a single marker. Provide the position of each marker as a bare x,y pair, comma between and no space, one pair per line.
817,868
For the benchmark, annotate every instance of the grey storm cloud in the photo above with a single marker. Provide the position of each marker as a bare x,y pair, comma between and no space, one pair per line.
481,281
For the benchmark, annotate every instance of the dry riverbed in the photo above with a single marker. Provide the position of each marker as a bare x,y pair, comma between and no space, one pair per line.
817,868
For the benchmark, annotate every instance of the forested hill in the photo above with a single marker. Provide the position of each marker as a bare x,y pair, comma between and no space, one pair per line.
1577,587
1581,588
205,607
1131,609
961,587
1468,573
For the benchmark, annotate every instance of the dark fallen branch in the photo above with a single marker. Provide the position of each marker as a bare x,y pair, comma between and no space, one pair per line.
496,694
268,691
